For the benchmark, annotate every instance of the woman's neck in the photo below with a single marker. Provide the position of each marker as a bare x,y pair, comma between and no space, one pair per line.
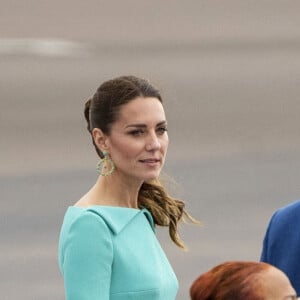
109,191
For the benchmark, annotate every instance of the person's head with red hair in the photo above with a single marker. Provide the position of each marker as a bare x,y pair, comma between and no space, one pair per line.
242,280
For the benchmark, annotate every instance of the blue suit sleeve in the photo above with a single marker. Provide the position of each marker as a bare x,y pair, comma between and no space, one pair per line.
87,259
265,255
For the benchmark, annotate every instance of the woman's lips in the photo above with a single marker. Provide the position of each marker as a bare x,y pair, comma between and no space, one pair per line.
150,161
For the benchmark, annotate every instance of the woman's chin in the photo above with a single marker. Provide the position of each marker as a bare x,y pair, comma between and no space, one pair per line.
151,176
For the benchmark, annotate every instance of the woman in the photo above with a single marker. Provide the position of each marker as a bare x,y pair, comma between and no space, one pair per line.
243,280
107,247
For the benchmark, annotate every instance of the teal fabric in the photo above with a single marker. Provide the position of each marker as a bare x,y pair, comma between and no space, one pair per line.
113,253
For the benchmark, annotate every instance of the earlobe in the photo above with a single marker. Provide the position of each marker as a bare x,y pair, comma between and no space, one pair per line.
99,138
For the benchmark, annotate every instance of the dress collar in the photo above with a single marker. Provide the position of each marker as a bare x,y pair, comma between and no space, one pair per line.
117,218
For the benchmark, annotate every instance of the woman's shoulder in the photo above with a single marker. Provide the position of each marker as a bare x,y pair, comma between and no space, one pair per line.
84,231
113,217
80,220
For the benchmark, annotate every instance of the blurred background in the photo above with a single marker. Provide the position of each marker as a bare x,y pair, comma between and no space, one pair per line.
229,73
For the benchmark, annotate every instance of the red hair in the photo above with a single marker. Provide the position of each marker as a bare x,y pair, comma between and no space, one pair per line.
234,280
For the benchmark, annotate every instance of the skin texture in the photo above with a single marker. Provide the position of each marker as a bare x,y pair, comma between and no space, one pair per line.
138,141
137,144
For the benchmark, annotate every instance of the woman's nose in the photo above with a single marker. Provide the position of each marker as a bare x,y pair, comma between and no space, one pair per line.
153,143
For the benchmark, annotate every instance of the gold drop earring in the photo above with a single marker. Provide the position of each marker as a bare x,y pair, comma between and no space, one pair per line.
105,165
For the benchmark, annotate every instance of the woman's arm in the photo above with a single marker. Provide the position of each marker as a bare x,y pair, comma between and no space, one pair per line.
87,259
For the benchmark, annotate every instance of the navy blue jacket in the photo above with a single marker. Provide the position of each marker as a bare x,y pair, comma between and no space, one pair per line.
281,246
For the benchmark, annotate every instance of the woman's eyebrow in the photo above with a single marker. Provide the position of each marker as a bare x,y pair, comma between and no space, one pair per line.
140,125
137,125
162,123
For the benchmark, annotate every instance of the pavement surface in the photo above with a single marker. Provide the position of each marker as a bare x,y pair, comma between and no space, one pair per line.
229,74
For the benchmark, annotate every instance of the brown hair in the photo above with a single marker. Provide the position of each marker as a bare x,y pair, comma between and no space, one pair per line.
101,111
234,280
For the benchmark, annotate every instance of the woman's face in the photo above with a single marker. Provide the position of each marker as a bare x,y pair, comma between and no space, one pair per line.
277,286
138,140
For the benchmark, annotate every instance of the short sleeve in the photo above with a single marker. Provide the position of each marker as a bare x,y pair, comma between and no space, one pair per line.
87,259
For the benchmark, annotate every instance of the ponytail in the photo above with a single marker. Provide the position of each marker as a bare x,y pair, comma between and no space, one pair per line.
166,211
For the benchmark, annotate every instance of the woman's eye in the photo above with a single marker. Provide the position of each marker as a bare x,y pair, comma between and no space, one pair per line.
161,130
137,132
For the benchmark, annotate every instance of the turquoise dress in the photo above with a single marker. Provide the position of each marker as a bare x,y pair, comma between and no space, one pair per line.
112,253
